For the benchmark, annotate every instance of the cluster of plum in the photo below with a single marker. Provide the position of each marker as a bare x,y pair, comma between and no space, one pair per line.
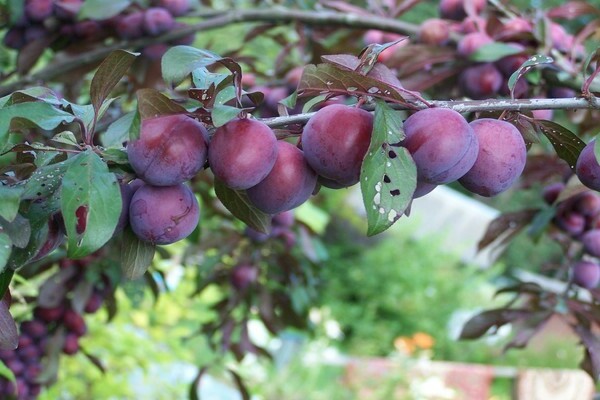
43,19
579,217
35,335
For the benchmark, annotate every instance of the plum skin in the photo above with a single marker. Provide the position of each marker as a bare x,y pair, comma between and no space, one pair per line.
157,20
171,149
481,81
586,274
455,9
501,158
587,168
591,242
442,144
242,152
289,184
38,10
335,141
130,26
163,214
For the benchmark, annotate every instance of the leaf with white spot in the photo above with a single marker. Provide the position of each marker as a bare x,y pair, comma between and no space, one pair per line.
566,144
526,66
388,176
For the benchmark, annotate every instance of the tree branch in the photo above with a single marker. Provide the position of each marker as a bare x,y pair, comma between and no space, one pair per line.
465,106
276,15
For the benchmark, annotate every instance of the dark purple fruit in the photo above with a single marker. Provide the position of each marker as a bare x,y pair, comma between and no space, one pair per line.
39,10
455,9
157,21
586,274
587,167
551,192
177,8
130,26
243,275
481,81
71,345
74,322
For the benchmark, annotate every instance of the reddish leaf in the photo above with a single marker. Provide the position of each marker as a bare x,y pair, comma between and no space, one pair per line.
530,327
9,336
505,227
53,290
572,10
566,144
152,103
481,323
591,364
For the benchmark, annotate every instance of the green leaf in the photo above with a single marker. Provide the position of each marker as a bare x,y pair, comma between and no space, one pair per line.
11,198
35,93
102,9
5,249
5,278
87,113
45,180
117,156
179,61
494,51
238,204
136,255
109,73
388,176
41,114
118,132
203,78
90,204
152,103
66,137
222,114
18,230
6,372
566,144
16,9
526,66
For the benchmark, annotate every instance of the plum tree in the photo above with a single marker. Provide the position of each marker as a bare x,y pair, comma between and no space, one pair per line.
587,167
335,141
290,182
171,149
586,274
242,152
501,158
442,144
163,214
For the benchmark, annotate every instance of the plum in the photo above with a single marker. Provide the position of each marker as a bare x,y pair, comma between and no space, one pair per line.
481,81
71,345
163,214
177,8
39,10
130,26
285,219
560,38
442,144
243,275
587,203
289,184
74,322
509,64
87,29
587,167
155,52
551,192
14,38
171,149
422,189
127,192
36,329
94,302
501,158
559,92
586,274
68,9
35,32
456,9
471,42
335,141
157,21
242,152
434,31
571,222
591,242
49,314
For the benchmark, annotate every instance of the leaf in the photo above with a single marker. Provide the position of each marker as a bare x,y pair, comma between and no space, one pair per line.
388,176
45,180
52,292
90,204
193,394
222,114
11,198
19,230
481,323
109,73
94,360
116,156
118,132
531,326
572,10
152,103
526,66
5,278
505,227
179,61
238,204
41,114
65,137
239,383
494,51
136,255
566,144
6,372
9,336
5,247
326,78
592,345
102,9
541,221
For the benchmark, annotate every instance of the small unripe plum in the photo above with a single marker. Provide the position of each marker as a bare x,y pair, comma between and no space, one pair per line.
74,322
591,242
242,153
177,8
471,42
88,29
163,214
71,345
481,81
588,204
49,314
373,36
243,275
434,31
455,9
171,149
94,303
157,21
571,222
335,141
442,144
543,114
130,26
587,167
14,38
35,32
501,158
289,184
551,192
39,10
586,274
